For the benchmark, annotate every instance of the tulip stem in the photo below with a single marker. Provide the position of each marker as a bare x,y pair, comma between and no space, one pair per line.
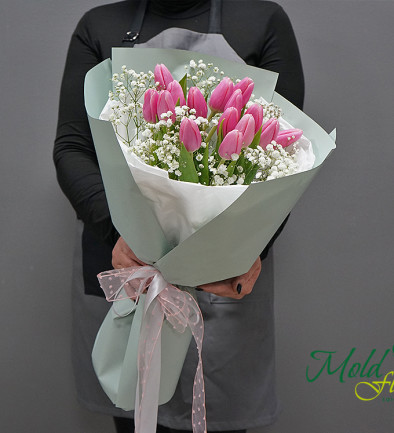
210,134
211,114
221,162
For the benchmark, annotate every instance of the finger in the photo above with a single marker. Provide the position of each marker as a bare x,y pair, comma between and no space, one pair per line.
137,260
123,256
222,288
244,283
124,261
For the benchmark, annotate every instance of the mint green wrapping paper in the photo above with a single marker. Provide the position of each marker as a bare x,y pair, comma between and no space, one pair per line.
225,247
115,354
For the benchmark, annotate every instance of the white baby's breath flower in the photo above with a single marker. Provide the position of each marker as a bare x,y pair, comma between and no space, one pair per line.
218,180
222,169
270,147
147,133
232,179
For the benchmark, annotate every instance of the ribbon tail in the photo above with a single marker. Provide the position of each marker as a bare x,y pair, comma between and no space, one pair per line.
199,421
149,370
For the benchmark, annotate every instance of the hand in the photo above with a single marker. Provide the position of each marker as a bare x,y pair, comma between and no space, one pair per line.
123,256
244,283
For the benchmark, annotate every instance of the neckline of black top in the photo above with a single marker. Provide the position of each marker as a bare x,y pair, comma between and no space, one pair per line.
178,9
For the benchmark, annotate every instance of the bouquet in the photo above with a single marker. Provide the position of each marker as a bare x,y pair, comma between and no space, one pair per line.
188,182
166,134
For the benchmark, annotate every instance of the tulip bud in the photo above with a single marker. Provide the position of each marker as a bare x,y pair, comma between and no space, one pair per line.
177,93
229,118
289,136
269,132
235,100
232,143
256,110
165,103
149,109
246,86
162,76
189,134
246,126
196,100
221,94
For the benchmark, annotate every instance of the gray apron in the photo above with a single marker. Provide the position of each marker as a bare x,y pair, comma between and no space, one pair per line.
238,347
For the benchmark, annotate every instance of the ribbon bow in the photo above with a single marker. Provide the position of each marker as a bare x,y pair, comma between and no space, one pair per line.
163,300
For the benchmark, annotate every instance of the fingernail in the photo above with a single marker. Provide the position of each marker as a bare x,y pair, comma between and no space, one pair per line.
239,288
198,289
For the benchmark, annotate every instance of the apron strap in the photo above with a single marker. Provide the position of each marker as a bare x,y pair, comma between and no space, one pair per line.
215,17
132,35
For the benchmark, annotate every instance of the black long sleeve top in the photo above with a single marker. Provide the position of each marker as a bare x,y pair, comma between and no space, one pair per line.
259,31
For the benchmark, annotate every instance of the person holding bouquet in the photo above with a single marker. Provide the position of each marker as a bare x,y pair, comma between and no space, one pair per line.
238,351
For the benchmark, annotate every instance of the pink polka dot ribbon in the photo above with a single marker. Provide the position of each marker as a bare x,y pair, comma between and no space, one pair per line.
163,302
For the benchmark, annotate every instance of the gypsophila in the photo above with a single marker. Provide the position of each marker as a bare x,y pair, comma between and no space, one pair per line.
158,142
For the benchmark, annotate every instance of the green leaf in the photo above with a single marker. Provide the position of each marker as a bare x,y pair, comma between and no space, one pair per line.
204,178
183,83
231,167
186,166
240,162
256,139
250,175
219,138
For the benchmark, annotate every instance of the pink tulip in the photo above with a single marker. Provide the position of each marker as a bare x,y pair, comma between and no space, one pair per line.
165,103
235,100
256,110
289,136
221,95
229,118
176,92
196,100
232,143
162,76
246,126
269,132
189,134
149,109
246,86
